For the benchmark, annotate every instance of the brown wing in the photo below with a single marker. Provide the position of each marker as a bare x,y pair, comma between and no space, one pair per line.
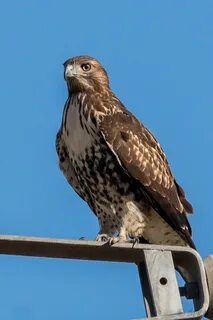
142,157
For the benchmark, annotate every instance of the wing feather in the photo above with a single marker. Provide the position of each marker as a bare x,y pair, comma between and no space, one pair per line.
141,156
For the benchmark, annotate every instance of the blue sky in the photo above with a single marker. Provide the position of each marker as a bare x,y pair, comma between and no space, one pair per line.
159,58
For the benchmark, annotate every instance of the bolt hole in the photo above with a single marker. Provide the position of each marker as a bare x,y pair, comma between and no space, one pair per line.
163,281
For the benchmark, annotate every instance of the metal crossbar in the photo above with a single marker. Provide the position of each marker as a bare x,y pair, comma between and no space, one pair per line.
157,267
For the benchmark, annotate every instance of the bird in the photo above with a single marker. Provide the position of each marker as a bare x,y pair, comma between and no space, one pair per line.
115,164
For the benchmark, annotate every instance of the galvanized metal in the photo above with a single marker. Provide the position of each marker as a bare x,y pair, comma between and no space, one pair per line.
190,265
163,282
208,264
186,260
146,290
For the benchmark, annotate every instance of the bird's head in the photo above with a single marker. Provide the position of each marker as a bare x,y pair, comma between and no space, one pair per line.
83,73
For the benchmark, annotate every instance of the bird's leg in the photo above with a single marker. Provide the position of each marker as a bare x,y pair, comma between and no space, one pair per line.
102,237
107,236
134,241
104,234
137,240
122,237
113,240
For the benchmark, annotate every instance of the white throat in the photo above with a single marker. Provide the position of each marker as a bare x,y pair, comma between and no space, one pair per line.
77,138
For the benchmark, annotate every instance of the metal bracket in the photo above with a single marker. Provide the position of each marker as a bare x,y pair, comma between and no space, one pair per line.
156,265
162,296
162,283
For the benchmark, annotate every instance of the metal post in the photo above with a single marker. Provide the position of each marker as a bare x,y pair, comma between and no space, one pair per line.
163,282
146,290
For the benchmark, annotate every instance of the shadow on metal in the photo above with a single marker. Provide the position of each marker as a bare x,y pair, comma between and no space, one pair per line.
157,267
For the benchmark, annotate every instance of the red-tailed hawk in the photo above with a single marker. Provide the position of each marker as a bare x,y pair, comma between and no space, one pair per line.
116,165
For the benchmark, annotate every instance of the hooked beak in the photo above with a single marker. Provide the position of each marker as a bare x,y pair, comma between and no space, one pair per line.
70,71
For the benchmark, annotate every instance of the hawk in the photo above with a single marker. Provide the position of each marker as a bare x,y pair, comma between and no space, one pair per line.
116,165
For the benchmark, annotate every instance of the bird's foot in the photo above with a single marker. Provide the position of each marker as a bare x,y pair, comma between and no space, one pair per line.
134,241
113,240
109,239
102,237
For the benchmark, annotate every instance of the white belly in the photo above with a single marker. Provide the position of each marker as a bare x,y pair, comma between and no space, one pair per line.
76,138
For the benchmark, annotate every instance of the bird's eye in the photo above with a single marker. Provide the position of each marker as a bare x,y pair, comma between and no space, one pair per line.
85,66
